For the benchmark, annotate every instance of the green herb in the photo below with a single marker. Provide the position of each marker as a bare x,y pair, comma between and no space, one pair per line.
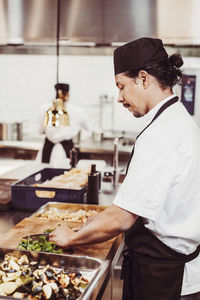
48,230
39,244
51,229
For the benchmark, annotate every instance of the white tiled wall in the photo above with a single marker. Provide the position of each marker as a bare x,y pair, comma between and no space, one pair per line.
27,84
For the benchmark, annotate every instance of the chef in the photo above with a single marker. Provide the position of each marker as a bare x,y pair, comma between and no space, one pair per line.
158,204
64,135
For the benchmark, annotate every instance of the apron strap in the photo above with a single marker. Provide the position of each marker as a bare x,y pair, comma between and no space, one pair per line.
46,151
67,146
48,147
163,107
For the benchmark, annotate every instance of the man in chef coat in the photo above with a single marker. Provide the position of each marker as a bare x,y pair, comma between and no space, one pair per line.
158,204
59,140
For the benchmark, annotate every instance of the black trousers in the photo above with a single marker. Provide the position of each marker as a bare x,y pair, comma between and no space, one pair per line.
48,147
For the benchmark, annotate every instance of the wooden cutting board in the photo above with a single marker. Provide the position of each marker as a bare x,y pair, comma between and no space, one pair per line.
30,226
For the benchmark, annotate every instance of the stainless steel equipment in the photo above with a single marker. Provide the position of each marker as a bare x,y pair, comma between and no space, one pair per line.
23,21
3,131
10,131
95,268
111,174
116,161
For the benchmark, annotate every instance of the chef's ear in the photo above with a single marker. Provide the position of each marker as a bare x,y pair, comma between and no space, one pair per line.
144,77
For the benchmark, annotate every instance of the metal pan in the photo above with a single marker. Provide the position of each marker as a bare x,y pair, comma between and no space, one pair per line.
96,268
64,206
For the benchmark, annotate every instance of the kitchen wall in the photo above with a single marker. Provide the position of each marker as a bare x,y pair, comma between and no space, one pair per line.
27,89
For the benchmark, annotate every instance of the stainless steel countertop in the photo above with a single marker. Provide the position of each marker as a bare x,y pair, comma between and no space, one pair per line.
88,145
106,146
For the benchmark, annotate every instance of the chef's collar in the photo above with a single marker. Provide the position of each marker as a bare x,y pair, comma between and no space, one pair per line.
150,115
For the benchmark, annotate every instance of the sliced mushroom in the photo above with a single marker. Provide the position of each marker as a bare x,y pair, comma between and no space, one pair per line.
47,290
23,260
8,287
11,276
13,265
54,286
63,280
18,295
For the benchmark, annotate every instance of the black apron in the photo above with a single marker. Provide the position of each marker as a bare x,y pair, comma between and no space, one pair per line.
151,270
48,147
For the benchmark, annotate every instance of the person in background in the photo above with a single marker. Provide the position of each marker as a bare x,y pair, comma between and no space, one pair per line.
64,135
158,204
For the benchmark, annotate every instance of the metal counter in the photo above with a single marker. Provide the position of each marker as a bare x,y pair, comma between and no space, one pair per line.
89,146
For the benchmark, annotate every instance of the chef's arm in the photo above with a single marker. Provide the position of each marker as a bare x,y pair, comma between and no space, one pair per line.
105,226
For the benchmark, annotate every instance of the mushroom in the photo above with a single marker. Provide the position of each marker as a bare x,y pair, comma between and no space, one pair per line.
11,276
63,280
23,260
54,286
47,290
8,287
18,295
13,265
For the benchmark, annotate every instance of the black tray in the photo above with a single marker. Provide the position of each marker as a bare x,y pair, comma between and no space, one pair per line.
25,196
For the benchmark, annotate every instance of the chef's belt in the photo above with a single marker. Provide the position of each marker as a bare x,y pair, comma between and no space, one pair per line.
151,270
48,147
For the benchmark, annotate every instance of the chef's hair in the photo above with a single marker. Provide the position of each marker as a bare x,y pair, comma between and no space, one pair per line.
64,87
167,72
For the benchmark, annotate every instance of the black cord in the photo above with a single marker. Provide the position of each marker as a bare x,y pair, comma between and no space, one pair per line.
57,40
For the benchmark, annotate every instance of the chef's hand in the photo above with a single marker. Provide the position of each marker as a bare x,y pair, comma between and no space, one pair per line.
89,220
62,236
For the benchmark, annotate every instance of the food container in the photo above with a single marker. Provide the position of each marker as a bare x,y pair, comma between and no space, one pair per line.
67,207
11,131
97,136
93,268
26,196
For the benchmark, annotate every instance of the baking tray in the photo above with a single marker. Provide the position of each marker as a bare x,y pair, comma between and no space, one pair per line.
63,206
25,196
94,267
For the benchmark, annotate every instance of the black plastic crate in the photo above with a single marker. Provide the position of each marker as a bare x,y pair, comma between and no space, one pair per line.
25,196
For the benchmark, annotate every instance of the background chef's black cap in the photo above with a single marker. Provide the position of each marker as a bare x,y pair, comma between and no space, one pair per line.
139,53
62,86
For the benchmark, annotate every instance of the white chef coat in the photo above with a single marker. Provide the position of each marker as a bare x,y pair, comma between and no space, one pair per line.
163,184
78,120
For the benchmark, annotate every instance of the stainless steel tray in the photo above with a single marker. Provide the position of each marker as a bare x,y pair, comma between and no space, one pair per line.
63,206
94,267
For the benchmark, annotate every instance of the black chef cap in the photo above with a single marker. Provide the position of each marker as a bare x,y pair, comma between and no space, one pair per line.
139,53
62,86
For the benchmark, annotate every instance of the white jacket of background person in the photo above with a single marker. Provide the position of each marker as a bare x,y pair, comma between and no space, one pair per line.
78,121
